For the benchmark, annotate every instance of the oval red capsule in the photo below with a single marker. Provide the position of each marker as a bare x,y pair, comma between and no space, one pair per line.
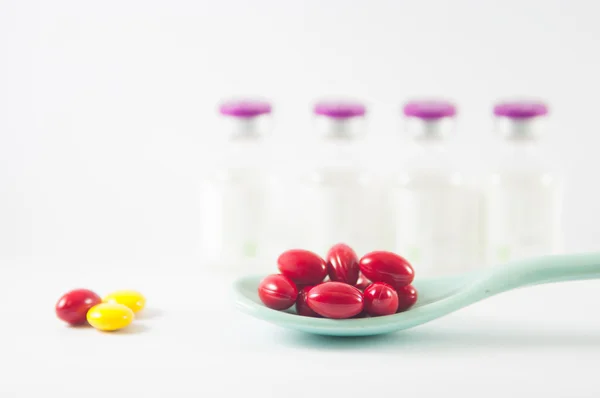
302,307
342,264
407,297
73,306
302,266
362,283
380,299
335,300
277,292
387,267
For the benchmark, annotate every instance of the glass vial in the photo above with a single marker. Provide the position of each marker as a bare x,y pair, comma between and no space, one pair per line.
435,201
525,187
232,188
323,195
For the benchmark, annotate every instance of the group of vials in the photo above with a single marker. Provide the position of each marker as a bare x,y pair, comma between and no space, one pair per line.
377,284
113,312
449,202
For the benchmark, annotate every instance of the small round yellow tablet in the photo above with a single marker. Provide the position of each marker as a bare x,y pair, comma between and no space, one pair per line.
130,298
109,316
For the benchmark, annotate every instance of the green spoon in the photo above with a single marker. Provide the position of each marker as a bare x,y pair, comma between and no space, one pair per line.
437,296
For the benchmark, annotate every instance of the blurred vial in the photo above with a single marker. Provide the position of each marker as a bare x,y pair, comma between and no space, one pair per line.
525,188
232,188
435,200
322,192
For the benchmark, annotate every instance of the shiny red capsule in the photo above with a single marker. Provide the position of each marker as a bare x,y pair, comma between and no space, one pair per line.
342,264
73,306
362,283
387,267
380,299
277,292
302,266
302,307
407,297
335,300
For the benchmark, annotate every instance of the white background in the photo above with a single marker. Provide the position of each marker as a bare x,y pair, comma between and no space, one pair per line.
103,110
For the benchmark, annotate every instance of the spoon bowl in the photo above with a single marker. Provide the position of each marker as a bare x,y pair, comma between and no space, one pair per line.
430,291
437,296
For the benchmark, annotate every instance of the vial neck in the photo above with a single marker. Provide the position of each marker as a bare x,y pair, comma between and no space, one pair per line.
339,129
519,130
247,128
429,130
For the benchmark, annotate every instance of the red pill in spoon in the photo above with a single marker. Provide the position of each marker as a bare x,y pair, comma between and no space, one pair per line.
380,299
362,283
302,266
342,264
387,267
277,292
407,297
302,307
335,300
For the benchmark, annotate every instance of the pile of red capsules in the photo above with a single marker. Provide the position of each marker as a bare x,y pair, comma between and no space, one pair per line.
377,284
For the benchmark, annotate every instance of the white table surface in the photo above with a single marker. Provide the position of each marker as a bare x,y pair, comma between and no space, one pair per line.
191,341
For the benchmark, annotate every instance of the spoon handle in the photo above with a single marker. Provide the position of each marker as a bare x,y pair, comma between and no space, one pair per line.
548,269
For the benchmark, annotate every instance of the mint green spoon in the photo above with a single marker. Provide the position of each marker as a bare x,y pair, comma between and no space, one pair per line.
437,296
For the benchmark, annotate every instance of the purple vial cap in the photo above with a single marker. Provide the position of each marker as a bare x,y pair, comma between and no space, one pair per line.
339,109
431,109
245,108
520,109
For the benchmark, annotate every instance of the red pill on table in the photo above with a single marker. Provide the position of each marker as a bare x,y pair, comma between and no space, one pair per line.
380,299
302,307
277,292
362,283
73,306
335,300
407,297
302,266
342,264
387,267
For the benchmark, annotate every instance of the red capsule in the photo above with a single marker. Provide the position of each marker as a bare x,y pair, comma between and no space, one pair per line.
380,299
335,300
388,267
277,292
342,264
302,266
407,297
362,283
302,307
73,306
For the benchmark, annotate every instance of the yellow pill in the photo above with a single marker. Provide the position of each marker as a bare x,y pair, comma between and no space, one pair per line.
132,299
109,316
